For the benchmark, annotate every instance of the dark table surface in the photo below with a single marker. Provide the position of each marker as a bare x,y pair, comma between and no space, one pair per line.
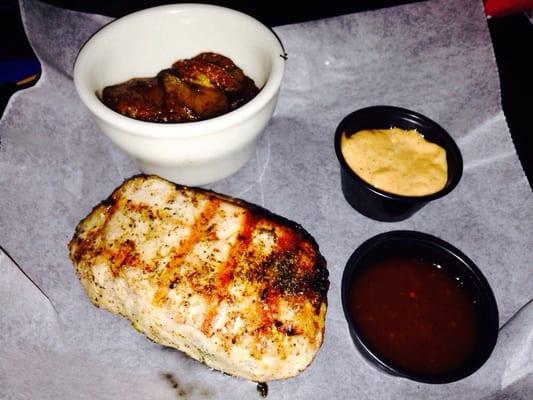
512,38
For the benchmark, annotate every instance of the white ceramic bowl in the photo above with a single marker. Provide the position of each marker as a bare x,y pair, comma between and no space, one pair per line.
143,43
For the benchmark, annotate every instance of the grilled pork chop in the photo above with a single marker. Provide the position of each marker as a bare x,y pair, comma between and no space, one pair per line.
225,281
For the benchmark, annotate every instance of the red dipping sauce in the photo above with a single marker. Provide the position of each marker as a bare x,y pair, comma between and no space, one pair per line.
414,314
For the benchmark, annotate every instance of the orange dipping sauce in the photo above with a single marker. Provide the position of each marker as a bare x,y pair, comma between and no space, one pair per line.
414,314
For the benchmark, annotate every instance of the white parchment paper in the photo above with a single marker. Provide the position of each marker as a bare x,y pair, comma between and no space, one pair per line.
433,57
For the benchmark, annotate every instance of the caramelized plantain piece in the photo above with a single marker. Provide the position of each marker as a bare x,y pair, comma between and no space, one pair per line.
207,75
202,87
247,93
204,102
140,98
217,59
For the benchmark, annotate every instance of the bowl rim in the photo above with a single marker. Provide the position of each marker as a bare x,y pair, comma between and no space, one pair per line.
471,270
178,130
453,148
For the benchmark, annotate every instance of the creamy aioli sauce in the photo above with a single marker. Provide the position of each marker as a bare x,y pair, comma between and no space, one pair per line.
396,161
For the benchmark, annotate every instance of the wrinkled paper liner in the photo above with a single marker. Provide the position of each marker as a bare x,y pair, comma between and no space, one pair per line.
432,57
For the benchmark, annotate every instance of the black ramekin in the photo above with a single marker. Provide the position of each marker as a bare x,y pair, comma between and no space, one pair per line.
378,204
454,262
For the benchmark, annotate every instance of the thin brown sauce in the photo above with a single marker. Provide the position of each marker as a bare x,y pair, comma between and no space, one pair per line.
414,314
